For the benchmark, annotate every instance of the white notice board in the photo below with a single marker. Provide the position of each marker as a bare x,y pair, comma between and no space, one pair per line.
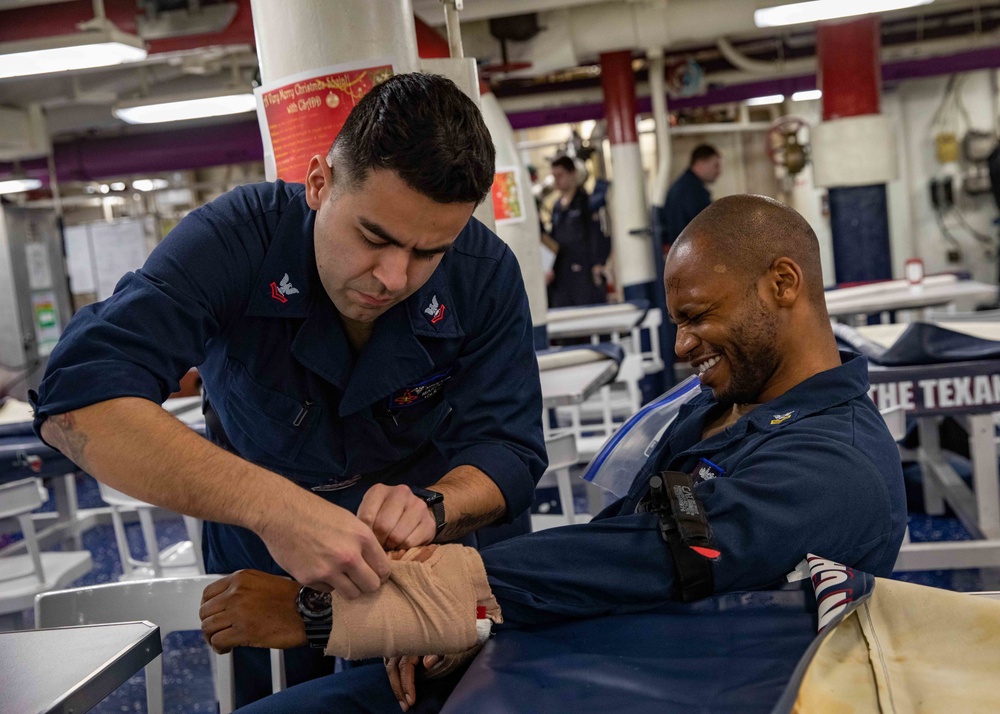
99,254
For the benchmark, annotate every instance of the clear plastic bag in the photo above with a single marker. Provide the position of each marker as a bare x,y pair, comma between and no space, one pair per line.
618,462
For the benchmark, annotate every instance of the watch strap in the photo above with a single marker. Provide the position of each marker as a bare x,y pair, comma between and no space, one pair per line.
318,633
437,510
435,502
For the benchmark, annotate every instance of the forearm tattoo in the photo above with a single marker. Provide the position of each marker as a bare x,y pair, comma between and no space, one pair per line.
71,441
470,522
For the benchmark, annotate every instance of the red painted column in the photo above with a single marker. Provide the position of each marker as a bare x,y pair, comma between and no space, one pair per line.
618,83
850,72
636,267
850,75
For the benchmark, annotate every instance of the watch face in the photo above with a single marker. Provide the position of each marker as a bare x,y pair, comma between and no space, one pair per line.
429,497
314,603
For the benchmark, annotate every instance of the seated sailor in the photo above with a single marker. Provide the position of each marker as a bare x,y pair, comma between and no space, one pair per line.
781,454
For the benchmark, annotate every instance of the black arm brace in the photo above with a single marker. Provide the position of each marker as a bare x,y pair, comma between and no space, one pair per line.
685,529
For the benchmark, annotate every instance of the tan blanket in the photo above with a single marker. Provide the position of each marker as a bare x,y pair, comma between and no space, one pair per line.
906,649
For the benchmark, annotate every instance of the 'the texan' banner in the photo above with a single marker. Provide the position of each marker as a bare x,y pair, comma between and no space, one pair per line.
956,387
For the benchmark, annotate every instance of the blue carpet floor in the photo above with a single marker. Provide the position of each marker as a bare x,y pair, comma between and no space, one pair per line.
187,677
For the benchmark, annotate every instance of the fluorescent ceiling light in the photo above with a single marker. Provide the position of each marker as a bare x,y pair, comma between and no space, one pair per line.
64,53
818,10
807,95
762,101
154,111
149,184
19,185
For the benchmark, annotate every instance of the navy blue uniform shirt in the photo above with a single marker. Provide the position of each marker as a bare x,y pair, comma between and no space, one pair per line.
686,199
813,471
448,377
582,245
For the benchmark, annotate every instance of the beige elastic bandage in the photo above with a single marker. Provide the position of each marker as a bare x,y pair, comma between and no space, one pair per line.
427,606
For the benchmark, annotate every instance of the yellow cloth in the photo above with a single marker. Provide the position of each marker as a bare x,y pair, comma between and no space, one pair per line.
428,606
908,649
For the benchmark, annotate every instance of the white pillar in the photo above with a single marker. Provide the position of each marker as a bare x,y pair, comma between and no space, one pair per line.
523,236
629,221
296,36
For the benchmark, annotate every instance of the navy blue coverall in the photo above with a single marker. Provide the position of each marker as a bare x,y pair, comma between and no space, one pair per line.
448,377
686,199
582,245
813,471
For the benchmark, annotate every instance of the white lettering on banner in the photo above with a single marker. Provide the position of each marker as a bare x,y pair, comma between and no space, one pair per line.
945,391
887,395
906,395
984,391
963,391
891,394
928,386
941,393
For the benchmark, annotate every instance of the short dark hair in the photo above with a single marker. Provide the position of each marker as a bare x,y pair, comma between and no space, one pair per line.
565,163
702,152
427,131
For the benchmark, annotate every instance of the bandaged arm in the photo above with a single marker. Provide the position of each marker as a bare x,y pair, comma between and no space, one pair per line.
429,605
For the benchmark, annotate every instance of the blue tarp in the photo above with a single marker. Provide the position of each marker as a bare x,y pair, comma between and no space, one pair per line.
741,652
920,343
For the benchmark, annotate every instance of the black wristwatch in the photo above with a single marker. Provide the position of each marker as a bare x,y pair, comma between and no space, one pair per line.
317,615
434,501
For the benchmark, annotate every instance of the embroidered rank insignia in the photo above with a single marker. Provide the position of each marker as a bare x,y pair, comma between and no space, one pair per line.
781,418
434,310
282,291
420,392
705,470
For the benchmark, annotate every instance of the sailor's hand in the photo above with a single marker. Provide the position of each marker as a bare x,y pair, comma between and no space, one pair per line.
251,609
397,517
324,546
597,272
402,673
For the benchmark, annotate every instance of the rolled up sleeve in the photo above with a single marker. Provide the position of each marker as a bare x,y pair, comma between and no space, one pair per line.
496,396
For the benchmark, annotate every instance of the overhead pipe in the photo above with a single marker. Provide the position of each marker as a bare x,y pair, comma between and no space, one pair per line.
661,120
26,23
523,116
609,26
454,29
113,156
740,61
200,147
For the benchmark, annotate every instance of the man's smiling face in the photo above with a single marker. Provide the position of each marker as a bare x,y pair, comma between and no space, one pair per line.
724,327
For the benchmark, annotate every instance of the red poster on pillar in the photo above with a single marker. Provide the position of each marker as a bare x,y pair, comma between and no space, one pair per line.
300,116
506,196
